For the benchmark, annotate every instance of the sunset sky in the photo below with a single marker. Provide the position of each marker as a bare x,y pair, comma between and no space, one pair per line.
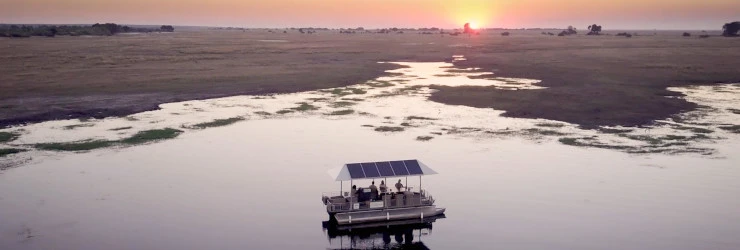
618,14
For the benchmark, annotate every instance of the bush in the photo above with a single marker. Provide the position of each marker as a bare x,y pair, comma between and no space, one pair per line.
97,29
624,34
505,34
686,34
731,29
167,28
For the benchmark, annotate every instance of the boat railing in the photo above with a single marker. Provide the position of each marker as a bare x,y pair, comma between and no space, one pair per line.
340,203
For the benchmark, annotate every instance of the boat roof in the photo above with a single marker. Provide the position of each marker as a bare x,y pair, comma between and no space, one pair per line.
380,169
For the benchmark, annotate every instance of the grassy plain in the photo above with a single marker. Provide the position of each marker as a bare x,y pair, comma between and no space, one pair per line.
591,81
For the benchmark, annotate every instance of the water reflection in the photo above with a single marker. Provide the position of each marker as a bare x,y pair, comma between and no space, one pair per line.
407,234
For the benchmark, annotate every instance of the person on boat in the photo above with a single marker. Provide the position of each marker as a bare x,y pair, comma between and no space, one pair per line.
373,191
399,186
383,188
353,192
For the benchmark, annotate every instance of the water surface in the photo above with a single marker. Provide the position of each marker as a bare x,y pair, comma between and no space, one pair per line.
257,184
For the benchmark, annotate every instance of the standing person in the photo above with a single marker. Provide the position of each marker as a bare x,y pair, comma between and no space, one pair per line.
373,191
383,188
354,191
399,186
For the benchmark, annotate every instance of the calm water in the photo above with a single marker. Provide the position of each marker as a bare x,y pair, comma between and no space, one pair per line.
257,184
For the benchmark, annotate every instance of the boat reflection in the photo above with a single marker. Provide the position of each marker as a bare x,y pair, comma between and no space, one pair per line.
404,234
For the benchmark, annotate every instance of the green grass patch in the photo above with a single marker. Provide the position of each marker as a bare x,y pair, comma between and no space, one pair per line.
544,132
614,130
357,91
9,151
424,138
8,136
389,129
75,146
436,133
303,106
368,126
265,113
284,111
734,128
645,138
120,128
342,112
696,129
341,104
345,91
673,137
152,135
550,125
380,84
576,142
318,99
138,138
74,126
419,118
217,123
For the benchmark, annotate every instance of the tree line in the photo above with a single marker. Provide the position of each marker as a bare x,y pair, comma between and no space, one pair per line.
106,29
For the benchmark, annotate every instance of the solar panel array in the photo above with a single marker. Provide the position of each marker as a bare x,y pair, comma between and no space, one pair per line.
384,169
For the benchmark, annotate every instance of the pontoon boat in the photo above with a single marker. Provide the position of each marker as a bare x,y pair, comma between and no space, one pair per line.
365,205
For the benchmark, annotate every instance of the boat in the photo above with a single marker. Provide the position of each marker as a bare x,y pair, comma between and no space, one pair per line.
366,205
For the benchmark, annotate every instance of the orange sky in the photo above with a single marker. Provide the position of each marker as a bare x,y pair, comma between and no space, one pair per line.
638,14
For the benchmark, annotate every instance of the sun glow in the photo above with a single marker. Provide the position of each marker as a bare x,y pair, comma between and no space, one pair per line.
473,25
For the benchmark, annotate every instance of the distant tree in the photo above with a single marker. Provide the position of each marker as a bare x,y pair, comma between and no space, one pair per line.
167,28
570,31
594,29
467,29
731,29
686,34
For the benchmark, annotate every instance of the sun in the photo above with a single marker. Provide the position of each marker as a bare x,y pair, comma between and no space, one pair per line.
473,25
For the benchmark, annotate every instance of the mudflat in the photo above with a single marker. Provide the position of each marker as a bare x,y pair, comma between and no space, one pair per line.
592,81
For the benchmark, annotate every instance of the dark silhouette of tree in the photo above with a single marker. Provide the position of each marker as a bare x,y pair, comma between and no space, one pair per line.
167,28
467,29
594,29
731,29
686,34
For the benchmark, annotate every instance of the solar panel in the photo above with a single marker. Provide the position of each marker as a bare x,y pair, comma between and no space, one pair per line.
413,167
370,170
399,168
385,168
355,170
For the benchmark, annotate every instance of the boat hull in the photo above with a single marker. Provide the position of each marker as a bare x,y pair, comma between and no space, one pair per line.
379,215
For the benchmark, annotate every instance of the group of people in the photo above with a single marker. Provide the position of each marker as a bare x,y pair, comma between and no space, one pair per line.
374,191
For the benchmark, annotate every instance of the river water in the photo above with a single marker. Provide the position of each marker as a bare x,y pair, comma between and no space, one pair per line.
257,183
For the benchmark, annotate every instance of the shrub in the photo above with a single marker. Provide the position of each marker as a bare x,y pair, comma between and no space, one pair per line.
731,29
686,34
505,34
594,29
